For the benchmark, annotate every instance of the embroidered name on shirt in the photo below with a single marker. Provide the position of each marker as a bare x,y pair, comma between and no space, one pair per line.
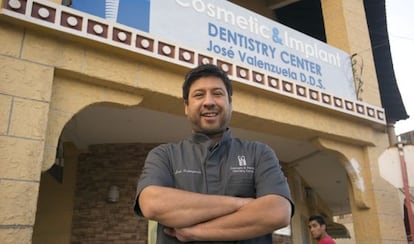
188,171
242,169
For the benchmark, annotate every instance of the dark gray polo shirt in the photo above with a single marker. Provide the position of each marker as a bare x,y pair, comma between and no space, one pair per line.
232,167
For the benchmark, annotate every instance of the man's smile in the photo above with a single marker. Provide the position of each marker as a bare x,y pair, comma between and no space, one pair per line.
209,114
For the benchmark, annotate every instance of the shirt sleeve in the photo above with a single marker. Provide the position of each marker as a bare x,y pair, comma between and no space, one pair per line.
157,171
269,175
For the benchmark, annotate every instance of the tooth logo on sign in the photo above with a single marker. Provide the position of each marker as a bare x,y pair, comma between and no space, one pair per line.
133,13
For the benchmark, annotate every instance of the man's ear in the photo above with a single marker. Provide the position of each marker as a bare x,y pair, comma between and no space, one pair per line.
186,107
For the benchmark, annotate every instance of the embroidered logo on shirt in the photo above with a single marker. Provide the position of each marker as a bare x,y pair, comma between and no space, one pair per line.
242,160
242,167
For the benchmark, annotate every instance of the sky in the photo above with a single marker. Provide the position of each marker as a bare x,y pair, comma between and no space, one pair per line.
400,19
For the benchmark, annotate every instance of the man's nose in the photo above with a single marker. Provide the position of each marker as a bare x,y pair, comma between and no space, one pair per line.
209,100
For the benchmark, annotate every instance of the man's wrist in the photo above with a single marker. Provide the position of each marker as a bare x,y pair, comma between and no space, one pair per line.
243,201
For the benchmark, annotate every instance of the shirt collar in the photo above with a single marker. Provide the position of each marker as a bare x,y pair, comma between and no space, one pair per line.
201,138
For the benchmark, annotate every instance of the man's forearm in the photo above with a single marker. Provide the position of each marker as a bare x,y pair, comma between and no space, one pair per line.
177,208
259,217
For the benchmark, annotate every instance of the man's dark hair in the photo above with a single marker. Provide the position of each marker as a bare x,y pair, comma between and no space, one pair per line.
317,218
206,70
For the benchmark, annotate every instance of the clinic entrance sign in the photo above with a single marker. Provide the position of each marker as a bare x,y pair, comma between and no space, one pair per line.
238,35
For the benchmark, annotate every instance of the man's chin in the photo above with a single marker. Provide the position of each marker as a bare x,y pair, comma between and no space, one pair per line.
212,131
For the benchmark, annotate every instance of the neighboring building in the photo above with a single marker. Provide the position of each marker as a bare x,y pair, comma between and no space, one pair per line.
83,99
407,140
407,137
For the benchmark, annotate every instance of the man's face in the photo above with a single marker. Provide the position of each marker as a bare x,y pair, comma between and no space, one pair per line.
208,107
317,231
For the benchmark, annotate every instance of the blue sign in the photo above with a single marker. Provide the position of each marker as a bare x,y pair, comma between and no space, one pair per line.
235,34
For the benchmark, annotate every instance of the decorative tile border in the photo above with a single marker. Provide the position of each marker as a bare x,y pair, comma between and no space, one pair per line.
71,21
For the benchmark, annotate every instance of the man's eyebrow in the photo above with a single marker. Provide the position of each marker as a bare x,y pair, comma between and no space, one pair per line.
218,88
198,90
213,89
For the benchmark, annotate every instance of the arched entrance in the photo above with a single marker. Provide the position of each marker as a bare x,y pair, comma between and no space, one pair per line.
105,146
102,147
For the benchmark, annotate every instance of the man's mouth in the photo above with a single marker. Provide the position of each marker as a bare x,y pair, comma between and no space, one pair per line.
209,114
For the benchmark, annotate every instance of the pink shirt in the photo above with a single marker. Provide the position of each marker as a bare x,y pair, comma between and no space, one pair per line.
326,240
